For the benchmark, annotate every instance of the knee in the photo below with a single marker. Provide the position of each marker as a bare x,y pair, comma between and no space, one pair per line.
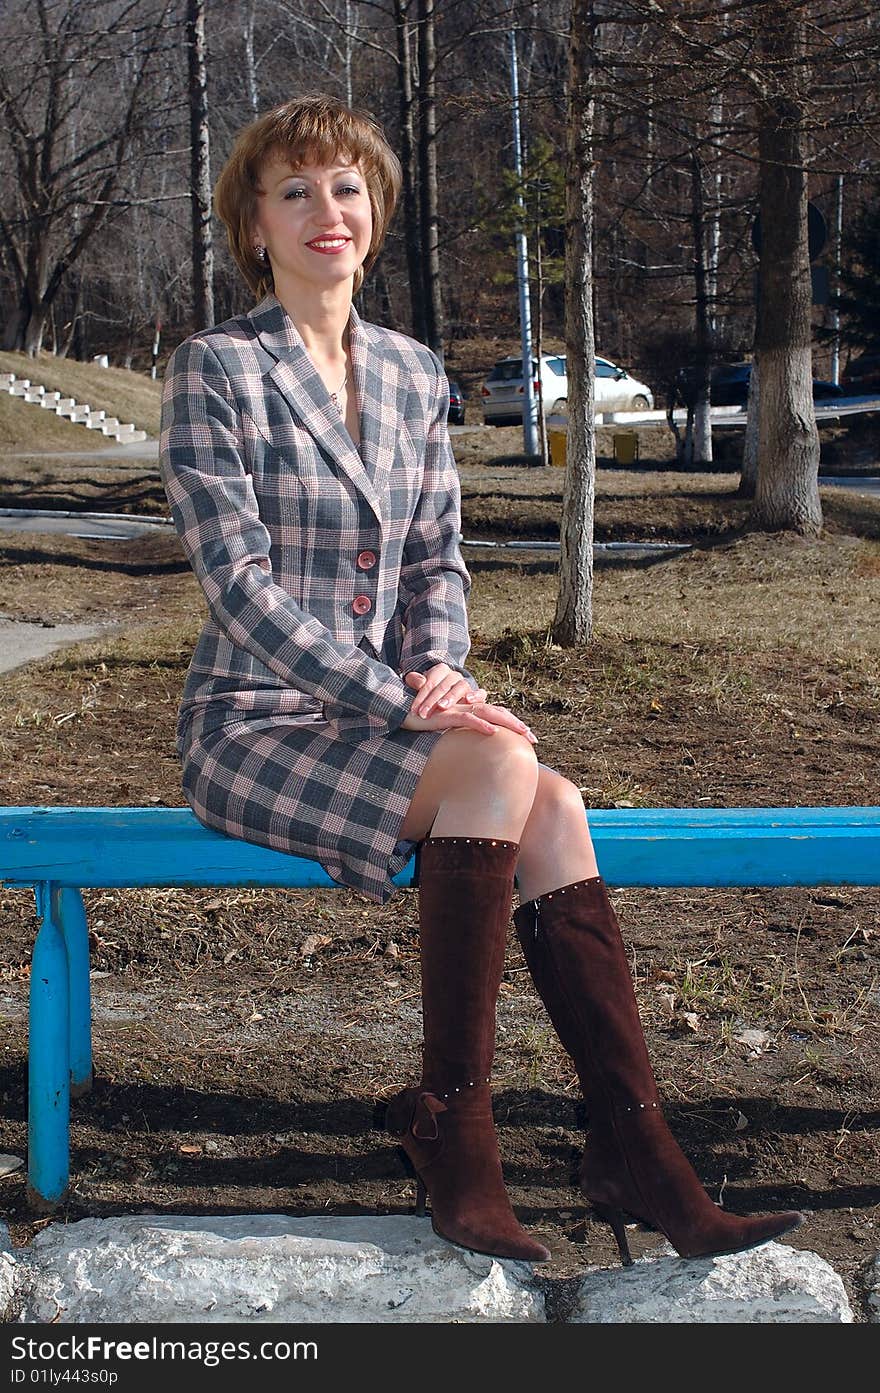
559,800
512,756
502,760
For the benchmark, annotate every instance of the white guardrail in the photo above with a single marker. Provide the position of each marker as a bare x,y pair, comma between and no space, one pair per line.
827,409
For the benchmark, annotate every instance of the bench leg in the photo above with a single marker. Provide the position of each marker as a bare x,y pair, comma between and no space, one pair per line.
76,937
49,1057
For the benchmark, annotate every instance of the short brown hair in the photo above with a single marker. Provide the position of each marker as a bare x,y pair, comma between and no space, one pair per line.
314,129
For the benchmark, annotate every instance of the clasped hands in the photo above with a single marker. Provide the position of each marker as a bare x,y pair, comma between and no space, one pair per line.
447,701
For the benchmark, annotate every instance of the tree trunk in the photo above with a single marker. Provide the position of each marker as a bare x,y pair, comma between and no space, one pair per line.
36,298
574,607
348,39
412,233
543,444
382,296
428,192
748,479
250,66
70,326
34,330
200,167
787,491
13,329
702,434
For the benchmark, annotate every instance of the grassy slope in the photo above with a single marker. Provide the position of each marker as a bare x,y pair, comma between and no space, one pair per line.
133,397
26,426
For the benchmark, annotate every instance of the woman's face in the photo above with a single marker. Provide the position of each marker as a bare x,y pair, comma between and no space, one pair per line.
315,221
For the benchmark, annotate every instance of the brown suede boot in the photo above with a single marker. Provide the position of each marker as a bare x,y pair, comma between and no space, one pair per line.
632,1164
445,1125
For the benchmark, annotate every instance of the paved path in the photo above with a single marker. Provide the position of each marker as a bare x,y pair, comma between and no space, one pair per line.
869,486
138,449
22,642
112,527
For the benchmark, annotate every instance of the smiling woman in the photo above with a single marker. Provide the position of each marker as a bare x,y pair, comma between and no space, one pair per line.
312,132
312,212
327,711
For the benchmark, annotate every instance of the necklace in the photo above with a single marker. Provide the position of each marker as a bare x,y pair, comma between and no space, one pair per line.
334,396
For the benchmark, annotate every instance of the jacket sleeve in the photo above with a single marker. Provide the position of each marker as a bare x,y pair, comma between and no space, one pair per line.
214,507
434,582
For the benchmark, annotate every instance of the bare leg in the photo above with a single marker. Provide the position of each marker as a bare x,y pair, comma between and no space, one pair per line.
478,786
555,846
474,786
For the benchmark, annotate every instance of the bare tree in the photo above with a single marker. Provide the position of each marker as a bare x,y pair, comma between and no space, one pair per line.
787,492
69,138
408,158
428,191
574,606
200,166
686,73
250,62
701,452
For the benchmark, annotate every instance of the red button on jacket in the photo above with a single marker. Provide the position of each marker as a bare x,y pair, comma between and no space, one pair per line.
366,560
362,604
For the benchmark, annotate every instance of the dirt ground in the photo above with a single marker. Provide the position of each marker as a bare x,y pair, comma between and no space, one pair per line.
243,1039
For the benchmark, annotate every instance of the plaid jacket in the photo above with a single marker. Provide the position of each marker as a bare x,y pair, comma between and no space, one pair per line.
328,571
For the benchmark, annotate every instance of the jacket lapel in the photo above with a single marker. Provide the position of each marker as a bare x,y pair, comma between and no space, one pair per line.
377,386
295,376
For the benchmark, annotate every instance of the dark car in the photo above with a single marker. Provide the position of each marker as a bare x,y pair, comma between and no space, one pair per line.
861,376
823,391
730,386
456,405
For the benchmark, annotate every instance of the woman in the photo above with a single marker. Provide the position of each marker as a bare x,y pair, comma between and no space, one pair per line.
327,710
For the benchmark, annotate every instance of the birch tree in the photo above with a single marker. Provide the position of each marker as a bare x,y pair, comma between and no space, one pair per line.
574,606
200,166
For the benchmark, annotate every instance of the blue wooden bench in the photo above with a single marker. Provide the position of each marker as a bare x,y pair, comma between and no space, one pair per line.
59,851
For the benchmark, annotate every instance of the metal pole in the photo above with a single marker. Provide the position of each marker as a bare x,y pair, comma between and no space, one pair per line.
155,349
835,313
530,430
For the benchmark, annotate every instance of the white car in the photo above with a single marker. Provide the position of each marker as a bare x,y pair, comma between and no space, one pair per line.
502,392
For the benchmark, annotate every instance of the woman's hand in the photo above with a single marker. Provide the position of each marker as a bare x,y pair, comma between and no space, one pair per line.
480,716
439,688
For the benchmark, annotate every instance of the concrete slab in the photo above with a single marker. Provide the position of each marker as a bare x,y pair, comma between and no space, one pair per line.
769,1285
263,1269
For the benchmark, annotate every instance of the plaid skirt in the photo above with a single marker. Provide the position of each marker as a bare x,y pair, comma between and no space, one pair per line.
290,787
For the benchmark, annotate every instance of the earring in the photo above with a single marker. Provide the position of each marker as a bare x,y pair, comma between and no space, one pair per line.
261,253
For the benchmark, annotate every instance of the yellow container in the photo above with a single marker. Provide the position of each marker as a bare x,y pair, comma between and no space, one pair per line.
626,447
556,441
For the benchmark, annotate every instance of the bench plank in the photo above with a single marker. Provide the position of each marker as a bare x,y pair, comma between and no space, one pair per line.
119,847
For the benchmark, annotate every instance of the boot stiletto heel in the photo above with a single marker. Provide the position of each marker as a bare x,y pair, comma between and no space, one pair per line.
615,1218
421,1197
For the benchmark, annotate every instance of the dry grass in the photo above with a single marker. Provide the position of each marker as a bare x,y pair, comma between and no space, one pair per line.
27,426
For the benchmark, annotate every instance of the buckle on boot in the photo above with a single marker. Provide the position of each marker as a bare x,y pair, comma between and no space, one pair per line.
412,1110
425,1113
